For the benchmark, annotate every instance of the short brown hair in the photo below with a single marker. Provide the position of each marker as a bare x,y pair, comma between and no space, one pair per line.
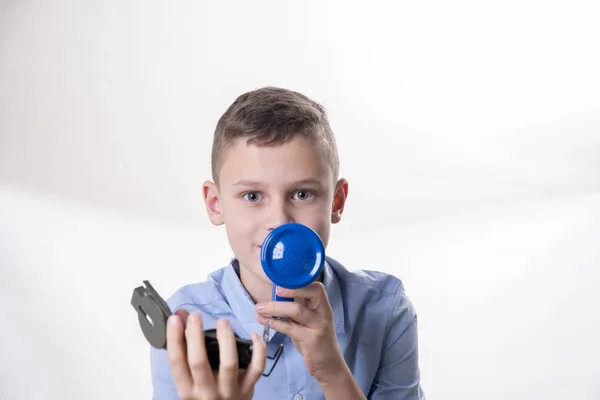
271,116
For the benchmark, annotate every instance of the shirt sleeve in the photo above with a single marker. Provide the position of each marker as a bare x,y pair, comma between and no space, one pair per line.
162,380
398,375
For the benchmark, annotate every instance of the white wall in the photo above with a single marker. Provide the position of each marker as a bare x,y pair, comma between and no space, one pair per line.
470,134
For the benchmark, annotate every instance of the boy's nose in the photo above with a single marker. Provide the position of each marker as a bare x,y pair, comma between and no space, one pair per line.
276,217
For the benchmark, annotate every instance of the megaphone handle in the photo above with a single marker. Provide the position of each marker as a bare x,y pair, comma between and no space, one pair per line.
279,298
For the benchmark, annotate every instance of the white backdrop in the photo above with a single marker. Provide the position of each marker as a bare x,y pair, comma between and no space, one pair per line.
469,131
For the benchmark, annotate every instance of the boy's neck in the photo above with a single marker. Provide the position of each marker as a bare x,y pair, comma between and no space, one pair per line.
259,290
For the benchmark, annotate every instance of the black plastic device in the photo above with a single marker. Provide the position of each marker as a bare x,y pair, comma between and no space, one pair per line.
153,313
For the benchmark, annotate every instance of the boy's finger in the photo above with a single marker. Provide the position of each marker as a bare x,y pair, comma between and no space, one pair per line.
183,314
292,310
228,359
197,356
315,289
257,364
315,295
289,328
176,348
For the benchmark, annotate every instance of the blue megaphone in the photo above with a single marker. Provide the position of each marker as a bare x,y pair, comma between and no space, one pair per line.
292,256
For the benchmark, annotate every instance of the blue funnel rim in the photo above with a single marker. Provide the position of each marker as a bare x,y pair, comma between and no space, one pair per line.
274,237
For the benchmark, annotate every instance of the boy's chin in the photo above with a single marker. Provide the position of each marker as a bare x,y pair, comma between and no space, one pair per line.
256,270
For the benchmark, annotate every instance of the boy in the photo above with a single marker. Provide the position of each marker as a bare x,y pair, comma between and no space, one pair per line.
349,335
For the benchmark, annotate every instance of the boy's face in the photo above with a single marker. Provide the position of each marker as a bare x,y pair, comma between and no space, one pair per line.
263,187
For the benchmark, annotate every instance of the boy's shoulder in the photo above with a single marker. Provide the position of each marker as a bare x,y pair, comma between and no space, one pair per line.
366,279
368,298
200,295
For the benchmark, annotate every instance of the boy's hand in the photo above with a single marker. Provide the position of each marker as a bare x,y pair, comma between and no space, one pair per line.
311,329
191,369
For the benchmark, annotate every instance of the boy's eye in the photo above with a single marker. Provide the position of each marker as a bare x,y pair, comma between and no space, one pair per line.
303,195
252,197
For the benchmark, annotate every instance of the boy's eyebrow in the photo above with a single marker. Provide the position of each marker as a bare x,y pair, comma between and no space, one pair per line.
309,181
246,183
249,183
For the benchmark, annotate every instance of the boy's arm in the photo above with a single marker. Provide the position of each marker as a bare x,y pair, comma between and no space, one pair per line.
398,376
342,387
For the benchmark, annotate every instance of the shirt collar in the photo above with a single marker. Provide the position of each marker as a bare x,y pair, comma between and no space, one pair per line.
243,307
334,293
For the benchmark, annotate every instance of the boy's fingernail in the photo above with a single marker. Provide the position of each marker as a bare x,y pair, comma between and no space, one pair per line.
281,290
222,323
172,320
260,307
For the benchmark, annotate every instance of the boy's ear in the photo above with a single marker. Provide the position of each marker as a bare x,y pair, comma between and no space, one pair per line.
212,202
339,200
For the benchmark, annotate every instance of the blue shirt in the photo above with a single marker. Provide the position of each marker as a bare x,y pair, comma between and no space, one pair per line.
375,322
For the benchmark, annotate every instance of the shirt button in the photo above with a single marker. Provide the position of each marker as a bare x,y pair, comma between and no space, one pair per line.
298,397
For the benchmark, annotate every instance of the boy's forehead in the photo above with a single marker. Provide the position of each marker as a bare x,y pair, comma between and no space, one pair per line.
294,161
